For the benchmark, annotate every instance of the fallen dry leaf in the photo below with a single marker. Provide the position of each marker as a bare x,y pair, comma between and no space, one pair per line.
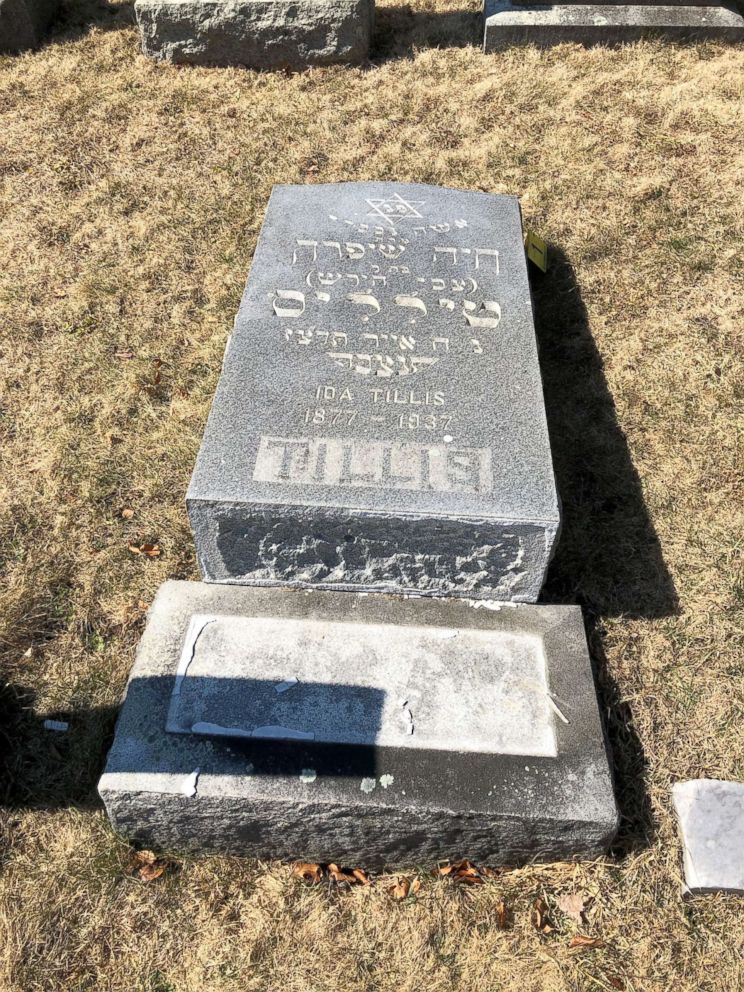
124,354
539,917
502,915
355,876
308,872
146,865
401,887
580,941
464,872
134,549
151,550
573,905
127,514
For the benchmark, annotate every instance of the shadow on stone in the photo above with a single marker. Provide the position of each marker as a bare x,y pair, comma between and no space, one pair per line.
399,31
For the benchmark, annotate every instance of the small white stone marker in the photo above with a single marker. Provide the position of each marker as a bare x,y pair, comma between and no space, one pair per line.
59,725
711,820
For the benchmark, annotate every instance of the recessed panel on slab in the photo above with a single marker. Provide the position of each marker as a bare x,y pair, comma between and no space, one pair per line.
379,423
427,688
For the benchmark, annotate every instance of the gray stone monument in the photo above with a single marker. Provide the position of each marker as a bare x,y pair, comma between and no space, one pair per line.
258,34
379,423
23,23
367,730
378,428
515,22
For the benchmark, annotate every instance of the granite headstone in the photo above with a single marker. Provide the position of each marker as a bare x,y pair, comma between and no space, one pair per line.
379,423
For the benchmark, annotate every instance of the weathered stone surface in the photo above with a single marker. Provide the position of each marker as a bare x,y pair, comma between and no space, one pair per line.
23,23
379,423
442,728
259,34
507,23
711,820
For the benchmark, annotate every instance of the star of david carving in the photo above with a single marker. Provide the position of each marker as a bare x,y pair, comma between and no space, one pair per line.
395,208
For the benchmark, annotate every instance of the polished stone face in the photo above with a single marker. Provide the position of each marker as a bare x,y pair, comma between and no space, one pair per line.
711,820
379,422
373,729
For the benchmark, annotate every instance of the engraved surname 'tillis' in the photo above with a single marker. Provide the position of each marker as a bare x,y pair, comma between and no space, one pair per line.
357,462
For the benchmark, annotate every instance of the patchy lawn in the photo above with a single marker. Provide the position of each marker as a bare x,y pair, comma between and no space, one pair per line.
131,195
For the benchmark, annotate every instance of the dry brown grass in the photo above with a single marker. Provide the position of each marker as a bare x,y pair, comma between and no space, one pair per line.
130,198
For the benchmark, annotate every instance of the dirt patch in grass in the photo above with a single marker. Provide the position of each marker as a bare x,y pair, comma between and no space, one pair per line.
131,196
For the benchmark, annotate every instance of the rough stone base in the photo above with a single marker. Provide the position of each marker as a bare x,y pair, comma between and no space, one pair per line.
507,23
258,34
488,742
23,23
311,547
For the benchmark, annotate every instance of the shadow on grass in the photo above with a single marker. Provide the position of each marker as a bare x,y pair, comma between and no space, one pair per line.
399,31
608,557
46,769
77,18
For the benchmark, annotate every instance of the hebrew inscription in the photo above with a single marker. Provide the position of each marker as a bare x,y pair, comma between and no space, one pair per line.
401,288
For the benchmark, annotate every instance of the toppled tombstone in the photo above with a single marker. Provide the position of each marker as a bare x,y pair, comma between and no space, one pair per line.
379,423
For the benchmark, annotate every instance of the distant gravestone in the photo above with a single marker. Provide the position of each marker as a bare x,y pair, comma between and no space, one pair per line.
527,22
379,423
258,34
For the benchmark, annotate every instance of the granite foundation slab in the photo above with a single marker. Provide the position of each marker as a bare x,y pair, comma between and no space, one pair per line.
258,34
711,821
379,423
370,730
507,23
24,23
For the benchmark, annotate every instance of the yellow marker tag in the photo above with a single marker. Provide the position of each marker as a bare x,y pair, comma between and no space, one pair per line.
537,251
